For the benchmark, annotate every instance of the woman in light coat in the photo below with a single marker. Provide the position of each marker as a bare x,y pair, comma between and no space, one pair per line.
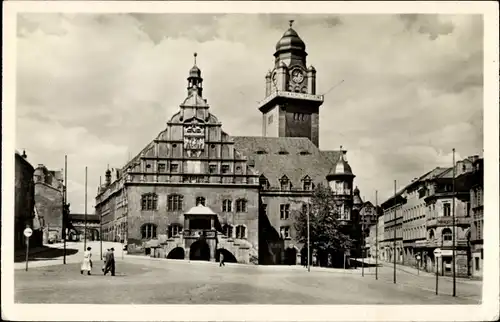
87,261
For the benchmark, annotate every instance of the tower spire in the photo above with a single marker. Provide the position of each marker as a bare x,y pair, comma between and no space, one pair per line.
195,82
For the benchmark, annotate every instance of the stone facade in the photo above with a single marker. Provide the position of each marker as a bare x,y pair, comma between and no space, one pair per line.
49,202
251,188
24,203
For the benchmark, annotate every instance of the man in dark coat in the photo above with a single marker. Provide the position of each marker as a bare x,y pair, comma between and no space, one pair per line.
110,262
221,260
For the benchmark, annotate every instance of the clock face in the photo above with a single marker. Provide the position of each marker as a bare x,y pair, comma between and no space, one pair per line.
297,76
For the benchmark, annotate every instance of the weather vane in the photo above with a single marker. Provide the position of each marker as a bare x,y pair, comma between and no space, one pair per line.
291,23
195,54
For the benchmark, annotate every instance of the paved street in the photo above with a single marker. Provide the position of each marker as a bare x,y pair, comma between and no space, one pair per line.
152,281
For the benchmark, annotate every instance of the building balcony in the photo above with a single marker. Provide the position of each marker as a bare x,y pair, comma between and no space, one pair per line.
448,221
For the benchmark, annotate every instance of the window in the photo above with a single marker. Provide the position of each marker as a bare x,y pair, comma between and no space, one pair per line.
148,231
284,211
285,232
174,167
446,210
285,183
225,168
241,205
307,184
270,119
200,201
149,201
263,182
264,209
305,208
174,230
174,202
240,232
477,264
226,205
228,230
212,168
447,236
161,167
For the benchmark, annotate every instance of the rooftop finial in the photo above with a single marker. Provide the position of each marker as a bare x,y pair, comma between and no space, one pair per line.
291,23
341,148
195,54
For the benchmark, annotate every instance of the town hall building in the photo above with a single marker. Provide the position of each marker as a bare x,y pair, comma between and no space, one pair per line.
195,191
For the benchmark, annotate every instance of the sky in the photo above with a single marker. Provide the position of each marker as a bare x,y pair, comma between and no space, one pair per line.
98,88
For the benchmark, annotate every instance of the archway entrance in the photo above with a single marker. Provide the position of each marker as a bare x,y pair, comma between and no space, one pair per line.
199,251
228,256
176,253
290,256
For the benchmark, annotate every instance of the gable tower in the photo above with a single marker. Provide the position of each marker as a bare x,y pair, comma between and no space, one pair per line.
291,106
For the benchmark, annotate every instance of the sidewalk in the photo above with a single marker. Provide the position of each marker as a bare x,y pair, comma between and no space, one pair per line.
415,271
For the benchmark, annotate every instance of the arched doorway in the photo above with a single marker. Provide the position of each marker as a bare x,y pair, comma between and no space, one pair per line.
199,251
290,256
176,253
228,256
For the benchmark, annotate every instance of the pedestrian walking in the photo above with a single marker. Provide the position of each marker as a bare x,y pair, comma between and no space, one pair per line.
104,265
110,262
221,260
87,262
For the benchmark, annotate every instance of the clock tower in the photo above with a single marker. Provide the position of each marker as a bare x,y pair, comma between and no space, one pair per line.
291,106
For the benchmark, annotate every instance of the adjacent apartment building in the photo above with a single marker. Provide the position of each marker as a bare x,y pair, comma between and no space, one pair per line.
422,216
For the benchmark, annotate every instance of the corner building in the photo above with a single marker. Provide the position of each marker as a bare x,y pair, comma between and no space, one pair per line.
195,191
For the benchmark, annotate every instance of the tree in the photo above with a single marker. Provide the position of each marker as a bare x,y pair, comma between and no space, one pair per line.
327,235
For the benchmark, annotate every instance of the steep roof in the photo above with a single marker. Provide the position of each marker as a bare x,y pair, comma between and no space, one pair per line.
294,157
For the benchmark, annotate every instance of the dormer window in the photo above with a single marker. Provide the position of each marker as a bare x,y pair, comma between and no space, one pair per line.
263,182
304,152
285,183
283,152
307,183
260,152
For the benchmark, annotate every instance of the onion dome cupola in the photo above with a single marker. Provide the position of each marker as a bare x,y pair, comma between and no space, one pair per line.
291,48
341,168
290,41
195,81
356,200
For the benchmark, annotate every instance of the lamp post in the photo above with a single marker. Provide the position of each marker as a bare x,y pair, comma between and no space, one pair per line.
394,242
308,241
454,229
376,235
85,225
65,208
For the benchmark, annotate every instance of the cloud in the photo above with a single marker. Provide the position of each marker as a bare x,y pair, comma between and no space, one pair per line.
99,87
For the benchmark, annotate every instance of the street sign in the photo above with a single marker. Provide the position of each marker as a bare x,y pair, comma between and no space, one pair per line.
28,232
437,252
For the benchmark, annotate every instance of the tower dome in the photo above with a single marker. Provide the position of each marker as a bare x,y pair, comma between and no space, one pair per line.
341,168
290,41
195,72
